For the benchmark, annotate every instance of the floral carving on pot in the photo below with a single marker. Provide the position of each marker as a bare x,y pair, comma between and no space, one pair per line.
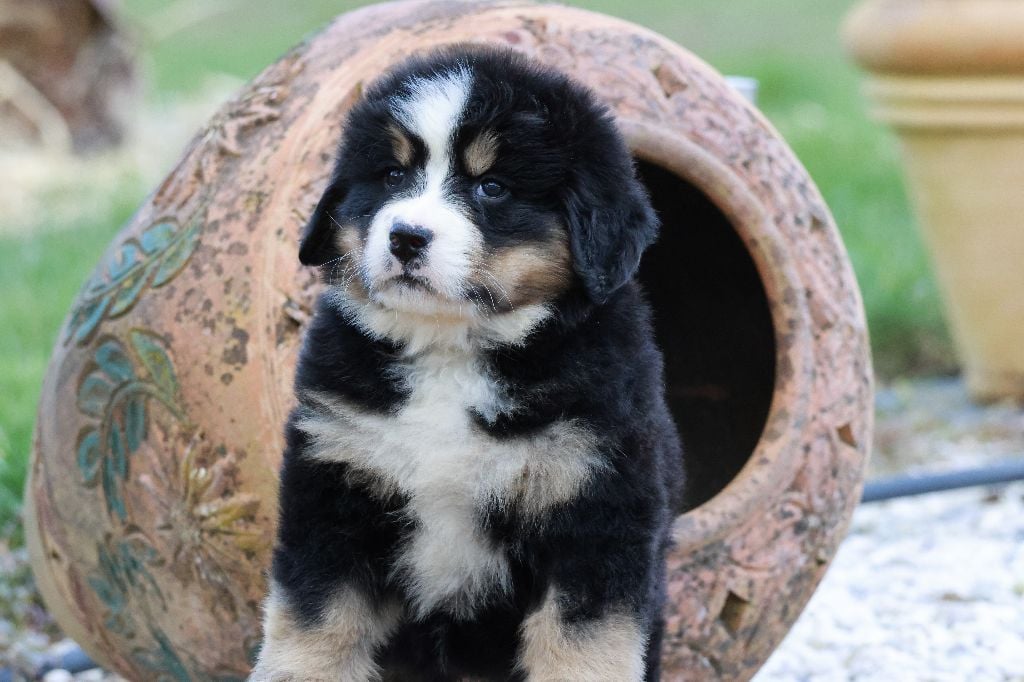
123,566
203,522
162,662
117,390
123,573
224,139
153,258
201,530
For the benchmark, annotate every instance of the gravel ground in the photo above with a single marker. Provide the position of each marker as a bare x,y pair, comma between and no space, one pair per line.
931,425
926,588
929,588
923,588
28,636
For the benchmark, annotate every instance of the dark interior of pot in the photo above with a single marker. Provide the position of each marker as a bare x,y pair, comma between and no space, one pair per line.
714,327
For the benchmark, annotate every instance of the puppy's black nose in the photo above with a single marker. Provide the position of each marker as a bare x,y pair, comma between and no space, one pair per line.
408,241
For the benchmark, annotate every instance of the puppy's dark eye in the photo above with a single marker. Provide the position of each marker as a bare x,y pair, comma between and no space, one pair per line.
492,189
394,177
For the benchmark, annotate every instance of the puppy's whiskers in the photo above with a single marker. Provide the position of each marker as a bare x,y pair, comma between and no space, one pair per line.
333,263
334,260
494,306
501,289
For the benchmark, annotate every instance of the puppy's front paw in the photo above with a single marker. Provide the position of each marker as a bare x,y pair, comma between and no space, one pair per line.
606,649
337,647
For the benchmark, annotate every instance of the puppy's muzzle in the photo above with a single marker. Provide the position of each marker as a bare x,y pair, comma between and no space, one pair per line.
408,242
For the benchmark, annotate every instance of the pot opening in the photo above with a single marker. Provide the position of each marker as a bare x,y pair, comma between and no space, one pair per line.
714,326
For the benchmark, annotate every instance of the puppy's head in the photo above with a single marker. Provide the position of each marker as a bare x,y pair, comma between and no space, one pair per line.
473,183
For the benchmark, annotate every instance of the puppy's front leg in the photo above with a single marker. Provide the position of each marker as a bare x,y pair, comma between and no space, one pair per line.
559,648
338,646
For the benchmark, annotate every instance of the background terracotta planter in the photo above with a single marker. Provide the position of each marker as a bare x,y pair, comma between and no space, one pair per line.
151,503
948,76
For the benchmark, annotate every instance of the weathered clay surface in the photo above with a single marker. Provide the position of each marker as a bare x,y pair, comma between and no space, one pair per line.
151,504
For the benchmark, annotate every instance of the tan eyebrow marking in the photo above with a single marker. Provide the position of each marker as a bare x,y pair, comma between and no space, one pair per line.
481,153
401,145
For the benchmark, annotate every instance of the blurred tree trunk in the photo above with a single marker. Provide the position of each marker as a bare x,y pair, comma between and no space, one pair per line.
67,75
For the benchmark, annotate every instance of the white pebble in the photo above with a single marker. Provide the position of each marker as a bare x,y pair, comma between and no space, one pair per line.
58,675
925,588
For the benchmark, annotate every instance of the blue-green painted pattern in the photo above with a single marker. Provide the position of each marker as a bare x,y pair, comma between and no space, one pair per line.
116,394
154,258
165,664
122,566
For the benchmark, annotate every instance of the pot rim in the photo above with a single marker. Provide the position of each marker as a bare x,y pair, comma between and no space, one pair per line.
773,463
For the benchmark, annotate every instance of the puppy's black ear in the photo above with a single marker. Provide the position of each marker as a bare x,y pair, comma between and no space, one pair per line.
610,220
318,244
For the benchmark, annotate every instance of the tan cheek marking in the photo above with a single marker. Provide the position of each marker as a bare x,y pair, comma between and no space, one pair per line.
340,646
531,274
611,648
401,146
346,272
348,240
481,154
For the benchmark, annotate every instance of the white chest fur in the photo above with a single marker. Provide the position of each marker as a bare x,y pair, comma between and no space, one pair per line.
448,468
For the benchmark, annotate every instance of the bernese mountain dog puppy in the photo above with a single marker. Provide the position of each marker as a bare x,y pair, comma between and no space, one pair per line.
481,472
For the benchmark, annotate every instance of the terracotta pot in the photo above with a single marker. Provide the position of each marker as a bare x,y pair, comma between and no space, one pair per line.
151,504
948,76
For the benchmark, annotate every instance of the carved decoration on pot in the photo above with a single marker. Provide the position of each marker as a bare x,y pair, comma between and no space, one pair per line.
152,494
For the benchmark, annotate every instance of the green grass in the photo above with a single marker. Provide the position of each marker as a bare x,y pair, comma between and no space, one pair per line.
236,37
818,109
808,90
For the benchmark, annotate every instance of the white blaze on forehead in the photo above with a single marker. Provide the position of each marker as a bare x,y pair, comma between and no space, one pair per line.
431,110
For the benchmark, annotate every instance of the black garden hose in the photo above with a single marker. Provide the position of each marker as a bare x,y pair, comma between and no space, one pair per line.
906,486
